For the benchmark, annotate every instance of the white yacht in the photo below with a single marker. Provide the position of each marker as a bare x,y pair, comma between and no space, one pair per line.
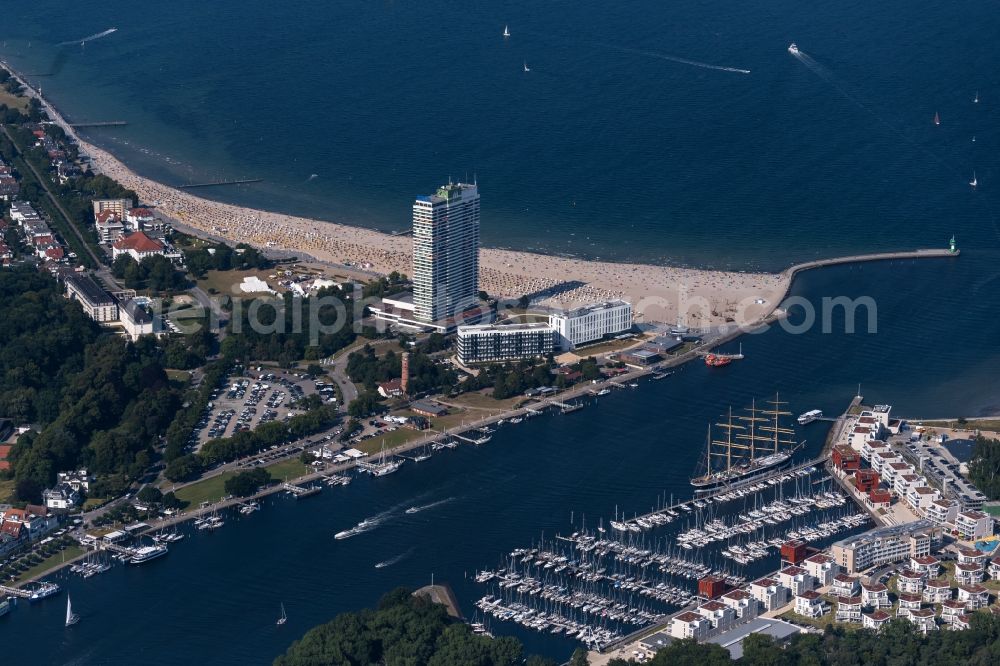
526,68
793,49
147,553
506,32
71,617
974,182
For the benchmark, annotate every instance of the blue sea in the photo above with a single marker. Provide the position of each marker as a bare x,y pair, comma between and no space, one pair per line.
630,138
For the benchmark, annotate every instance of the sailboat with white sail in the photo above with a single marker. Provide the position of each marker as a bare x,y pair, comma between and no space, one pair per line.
284,618
506,32
71,617
975,181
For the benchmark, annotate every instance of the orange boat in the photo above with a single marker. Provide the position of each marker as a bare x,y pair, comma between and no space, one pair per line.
714,361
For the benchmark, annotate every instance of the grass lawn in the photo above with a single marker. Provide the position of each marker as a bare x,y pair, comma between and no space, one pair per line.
92,502
225,282
208,490
971,424
484,401
6,490
608,347
288,469
48,563
818,622
391,439
13,101
182,377
992,509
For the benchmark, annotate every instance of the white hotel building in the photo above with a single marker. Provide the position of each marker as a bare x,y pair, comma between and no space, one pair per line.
587,324
445,252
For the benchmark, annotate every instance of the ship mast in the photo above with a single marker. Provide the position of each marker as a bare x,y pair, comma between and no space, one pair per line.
728,443
753,436
778,435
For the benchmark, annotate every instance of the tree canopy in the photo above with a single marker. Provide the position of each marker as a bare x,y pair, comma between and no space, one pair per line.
984,467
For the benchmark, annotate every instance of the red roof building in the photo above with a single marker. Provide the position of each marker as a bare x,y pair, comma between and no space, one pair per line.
137,245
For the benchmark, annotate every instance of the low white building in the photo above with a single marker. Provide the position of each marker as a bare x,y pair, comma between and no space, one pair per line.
942,511
875,595
936,591
822,568
973,525
719,614
975,596
488,343
770,593
742,603
138,246
848,609
690,625
591,323
876,620
63,496
809,603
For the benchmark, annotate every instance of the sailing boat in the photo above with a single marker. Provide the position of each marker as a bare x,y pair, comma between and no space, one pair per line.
506,35
937,118
71,617
975,100
974,182
284,618
526,68
752,446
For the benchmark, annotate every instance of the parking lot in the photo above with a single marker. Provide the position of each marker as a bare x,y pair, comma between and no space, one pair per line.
253,398
941,467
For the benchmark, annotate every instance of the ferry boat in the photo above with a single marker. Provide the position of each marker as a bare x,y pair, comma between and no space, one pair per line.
147,553
4,607
754,445
810,416
44,590
793,49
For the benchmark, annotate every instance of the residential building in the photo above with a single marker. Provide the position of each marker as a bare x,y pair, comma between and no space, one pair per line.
446,252
951,610
994,568
719,614
923,619
796,579
822,568
391,389
809,603
942,511
488,342
910,581
117,206
961,623
921,497
866,480
9,187
141,219
903,482
969,573
427,408
870,446
62,497
876,620
875,595
882,546
109,226
135,320
742,603
878,499
846,459
973,525
936,591
770,593
690,625
22,211
972,556
77,479
97,303
926,564
845,586
848,609
908,602
138,246
975,596
591,323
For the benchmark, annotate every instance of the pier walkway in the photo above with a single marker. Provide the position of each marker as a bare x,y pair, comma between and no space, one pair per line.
15,592
241,181
101,123
932,253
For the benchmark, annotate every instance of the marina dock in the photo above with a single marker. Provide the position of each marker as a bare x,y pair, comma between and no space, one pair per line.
300,492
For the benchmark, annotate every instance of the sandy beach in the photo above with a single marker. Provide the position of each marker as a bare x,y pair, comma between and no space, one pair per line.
696,298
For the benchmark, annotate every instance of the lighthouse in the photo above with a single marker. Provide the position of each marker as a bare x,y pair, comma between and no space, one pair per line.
951,245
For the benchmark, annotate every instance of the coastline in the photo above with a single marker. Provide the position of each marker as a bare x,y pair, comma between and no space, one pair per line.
666,294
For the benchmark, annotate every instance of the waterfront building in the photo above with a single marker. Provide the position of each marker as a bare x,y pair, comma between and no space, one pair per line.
690,625
117,206
488,343
770,593
910,581
592,323
719,614
893,470
822,568
844,586
641,357
142,219
875,595
97,303
974,595
880,413
138,246
866,480
870,446
809,603
876,620
883,545
445,252
848,609
742,603
845,458
942,511
878,499
796,579
428,408
937,591
973,525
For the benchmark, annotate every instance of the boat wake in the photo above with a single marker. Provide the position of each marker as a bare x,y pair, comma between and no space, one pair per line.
418,509
396,560
682,61
91,38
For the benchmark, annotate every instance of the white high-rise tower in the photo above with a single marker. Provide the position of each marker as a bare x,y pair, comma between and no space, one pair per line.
445,252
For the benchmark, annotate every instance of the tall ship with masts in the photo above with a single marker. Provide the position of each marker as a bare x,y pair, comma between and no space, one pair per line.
750,445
